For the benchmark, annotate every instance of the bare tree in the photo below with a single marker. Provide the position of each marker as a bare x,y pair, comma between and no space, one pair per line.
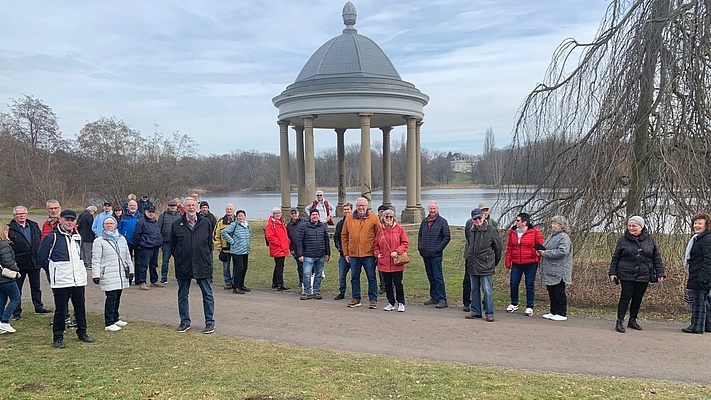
627,128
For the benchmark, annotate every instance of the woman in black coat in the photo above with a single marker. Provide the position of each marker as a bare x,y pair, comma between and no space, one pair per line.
635,263
699,282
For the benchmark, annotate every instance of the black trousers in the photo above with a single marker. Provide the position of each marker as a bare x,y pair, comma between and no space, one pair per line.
390,279
631,296
701,310
466,289
111,306
34,275
61,305
559,301
278,275
240,262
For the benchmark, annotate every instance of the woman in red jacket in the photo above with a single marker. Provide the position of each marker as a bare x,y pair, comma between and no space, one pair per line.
278,240
390,241
522,258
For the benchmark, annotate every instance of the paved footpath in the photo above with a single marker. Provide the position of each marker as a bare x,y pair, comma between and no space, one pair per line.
579,345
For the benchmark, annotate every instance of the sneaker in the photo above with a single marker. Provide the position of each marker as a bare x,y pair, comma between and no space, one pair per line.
547,315
16,317
528,312
157,284
373,305
5,326
466,309
558,318
430,302
237,291
354,303
228,286
209,328
442,304
121,323
183,327
389,307
58,343
511,308
112,328
382,290
86,338
340,296
246,289
282,288
142,286
401,307
71,324
305,297
43,311
317,296
164,281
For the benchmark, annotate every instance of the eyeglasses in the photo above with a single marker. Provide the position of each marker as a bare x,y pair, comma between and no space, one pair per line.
389,217
477,218
319,195
485,209
519,220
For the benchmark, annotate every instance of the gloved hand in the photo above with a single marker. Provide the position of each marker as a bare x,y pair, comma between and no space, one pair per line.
96,280
130,277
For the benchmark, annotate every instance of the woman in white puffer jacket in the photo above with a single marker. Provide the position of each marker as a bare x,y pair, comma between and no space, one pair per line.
112,269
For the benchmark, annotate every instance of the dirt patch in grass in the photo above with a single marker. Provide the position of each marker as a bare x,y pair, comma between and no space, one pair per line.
32,387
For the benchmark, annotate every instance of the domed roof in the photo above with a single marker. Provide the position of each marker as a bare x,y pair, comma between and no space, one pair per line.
349,74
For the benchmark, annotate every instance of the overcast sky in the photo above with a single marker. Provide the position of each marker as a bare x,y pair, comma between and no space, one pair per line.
209,69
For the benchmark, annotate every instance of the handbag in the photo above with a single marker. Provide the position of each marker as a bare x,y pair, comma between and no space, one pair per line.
224,257
653,275
401,258
10,274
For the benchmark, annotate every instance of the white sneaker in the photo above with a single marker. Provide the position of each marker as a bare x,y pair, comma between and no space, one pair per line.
528,312
112,328
558,318
120,323
400,307
547,315
5,327
511,308
389,307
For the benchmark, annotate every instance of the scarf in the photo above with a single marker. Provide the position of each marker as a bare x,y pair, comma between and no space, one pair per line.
112,236
688,250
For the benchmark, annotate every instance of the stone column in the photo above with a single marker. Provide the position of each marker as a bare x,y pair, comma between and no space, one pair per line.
387,168
309,159
411,213
365,168
284,167
301,197
419,168
341,160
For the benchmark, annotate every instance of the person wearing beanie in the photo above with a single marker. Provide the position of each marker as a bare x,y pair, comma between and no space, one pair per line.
557,267
635,263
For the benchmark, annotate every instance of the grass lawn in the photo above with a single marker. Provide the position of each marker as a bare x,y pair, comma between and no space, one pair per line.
153,361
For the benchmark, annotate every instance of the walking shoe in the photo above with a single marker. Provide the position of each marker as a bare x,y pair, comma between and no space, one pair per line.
43,311
511,308
472,316
317,296
382,290
282,288
157,284
430,302
58,343
121,323
620,326
305,297
528,312
163,281
354,303
17,317
547,315
5,326
558,318
689,329
112,328
442,304
373,305
632,323
71,324
228,286
401,307
246,289
466,309
209,328
142,286
490,318
238,291
183,327
340,296
86,338
389,307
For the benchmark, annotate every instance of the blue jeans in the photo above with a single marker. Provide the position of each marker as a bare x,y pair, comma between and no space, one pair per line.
482,283
368,263
517,271
8,290
433,267
208,301
227,275
146,259
166,259
343,268
315,266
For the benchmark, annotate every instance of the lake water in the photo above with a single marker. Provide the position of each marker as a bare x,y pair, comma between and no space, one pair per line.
454,204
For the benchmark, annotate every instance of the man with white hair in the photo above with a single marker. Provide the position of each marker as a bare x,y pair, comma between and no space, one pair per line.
432,238
325,211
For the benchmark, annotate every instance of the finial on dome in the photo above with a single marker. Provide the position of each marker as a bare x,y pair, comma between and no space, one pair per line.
349,17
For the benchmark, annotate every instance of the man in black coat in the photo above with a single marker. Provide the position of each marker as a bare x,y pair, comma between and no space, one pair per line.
24,236
191,245
148,239
432,238
292,230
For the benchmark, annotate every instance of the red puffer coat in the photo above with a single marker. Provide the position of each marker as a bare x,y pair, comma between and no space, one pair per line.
277,237
395,237
524,252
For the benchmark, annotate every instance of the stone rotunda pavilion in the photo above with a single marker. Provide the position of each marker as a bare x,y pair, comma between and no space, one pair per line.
349,83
